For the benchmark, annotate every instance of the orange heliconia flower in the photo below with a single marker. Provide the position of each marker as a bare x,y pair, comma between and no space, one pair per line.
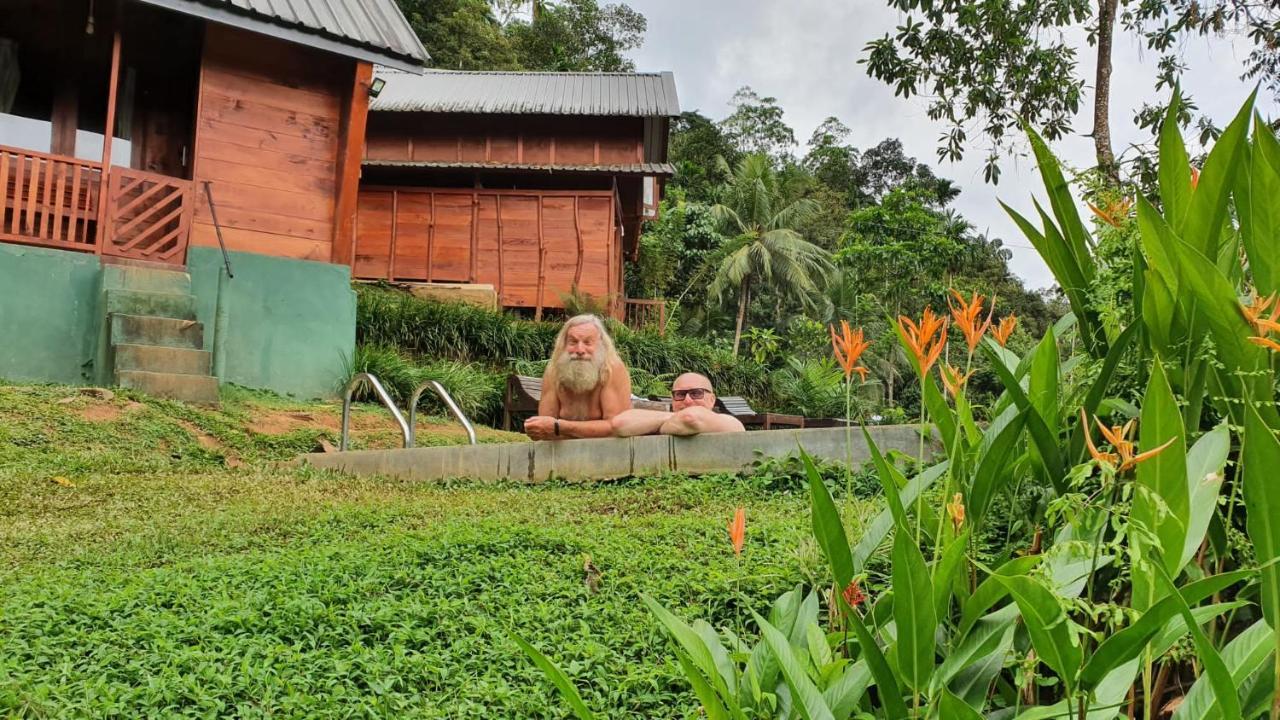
853,594
1195,178
1265,342
1256,314
1123,458
952,379
955,511
926,340
1115,213
738,530
1002,331
968,317
848,346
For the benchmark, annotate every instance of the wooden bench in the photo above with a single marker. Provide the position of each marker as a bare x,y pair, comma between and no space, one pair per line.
524,392
752,420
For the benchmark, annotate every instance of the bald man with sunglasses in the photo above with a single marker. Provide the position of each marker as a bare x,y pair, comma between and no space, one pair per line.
692,413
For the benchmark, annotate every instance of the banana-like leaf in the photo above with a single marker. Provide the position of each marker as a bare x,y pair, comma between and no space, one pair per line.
878,529
1098,391
953,708
692,644
1127,644
1205,462
557,677
1175,166
994,467
1052,636
1245,654
1046,442
890,691
1259,210
946,572
828,529
1261,458
1063,204
1165,477
984,638
805,696
990,591
1208,212
1215,669
711,702
913,611
1043,385
843,694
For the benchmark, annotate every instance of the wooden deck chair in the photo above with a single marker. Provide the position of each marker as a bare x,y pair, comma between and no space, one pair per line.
738,407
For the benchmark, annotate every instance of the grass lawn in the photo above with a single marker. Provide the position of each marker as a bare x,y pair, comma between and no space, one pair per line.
159,560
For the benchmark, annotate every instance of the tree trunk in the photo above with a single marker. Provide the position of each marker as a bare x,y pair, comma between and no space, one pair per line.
742,313
1102,92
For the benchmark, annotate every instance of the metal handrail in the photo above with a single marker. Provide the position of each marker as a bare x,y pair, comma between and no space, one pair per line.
213,214
447,399
387,402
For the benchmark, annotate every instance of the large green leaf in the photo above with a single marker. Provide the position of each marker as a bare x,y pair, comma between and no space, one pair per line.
913,611
557,678
1125,645
1043,382
990,591
1261,459
805,696
877,530
1258,205
688,641
994,467
1205,462
1175,166
843,694
828,529
890,691
1051,632
1245,654
951,707
1215,668
1101,386
1207,215
1046,442
983,639
947,571
1063,204
1164,509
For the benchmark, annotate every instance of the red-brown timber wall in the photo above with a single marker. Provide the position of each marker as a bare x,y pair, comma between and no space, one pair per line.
271,132
533,246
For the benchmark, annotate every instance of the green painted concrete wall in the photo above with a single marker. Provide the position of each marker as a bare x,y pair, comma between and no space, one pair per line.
48,315
279,324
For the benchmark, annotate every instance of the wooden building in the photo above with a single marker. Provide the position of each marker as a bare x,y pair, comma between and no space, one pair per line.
534,183
258,105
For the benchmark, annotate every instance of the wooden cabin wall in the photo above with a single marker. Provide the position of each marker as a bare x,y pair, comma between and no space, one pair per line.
269,135
528,139
494,237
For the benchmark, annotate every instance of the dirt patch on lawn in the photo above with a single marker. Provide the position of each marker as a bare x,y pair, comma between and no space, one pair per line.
211,443
100,413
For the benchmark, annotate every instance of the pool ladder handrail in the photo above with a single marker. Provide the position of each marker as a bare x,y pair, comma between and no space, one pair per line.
358,380
449,402
407,429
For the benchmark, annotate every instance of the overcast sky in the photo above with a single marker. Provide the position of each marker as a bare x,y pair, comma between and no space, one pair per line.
805,53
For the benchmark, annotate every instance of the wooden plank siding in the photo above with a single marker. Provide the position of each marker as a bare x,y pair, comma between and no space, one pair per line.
452,235
505,139
270,137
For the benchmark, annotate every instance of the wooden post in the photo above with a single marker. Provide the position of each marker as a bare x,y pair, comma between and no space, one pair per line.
577,232
498,199
113,87
542,264
431,239
475,233
395,218
353,124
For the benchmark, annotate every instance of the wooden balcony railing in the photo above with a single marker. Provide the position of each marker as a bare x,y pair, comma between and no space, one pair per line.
55,201
148,216
49,200
646,314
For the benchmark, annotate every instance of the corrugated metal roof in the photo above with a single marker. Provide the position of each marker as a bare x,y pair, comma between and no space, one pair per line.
372,30
519,93
614,169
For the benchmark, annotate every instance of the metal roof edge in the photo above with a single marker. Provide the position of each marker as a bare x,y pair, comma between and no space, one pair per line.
345,47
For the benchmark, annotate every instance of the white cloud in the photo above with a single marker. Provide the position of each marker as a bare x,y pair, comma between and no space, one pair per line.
805,53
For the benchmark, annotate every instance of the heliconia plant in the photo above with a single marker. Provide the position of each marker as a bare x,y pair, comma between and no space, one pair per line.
1145,579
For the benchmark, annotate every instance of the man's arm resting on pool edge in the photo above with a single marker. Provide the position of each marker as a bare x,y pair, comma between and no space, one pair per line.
698,420
639,422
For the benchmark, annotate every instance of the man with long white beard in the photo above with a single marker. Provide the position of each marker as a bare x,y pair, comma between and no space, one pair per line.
585,385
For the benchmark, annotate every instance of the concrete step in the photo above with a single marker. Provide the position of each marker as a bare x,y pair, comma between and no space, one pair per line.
157,359
166,332
201,389
145,279
181,306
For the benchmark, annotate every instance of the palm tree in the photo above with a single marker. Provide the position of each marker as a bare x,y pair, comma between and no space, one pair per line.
765,248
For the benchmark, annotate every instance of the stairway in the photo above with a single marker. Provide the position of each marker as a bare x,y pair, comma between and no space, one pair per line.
153,341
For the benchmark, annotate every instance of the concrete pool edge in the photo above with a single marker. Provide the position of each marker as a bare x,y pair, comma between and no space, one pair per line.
619,457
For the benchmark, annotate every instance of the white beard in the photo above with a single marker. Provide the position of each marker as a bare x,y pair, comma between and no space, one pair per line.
579,376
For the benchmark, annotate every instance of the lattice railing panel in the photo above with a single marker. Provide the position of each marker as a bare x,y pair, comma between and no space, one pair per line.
148,216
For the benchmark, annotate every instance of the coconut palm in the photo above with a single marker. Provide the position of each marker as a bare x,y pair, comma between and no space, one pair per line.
765,249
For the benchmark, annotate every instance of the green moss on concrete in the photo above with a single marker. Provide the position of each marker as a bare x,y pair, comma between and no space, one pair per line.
48,314
279,324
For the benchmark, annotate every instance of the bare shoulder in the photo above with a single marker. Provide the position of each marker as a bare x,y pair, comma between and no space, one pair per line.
619,376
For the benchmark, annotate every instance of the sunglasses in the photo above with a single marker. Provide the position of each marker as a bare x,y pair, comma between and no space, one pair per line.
691,393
